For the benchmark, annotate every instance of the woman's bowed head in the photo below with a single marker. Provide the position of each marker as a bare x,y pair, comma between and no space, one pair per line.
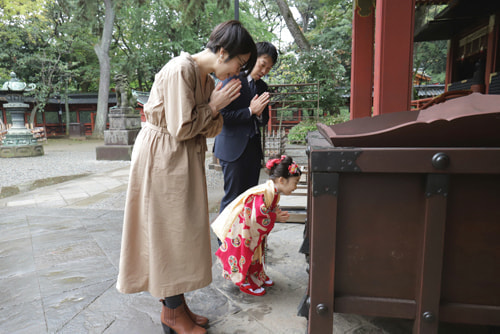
229,51
234,47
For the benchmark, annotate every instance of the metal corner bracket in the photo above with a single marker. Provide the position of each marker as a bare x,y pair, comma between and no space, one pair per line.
335,161
325,184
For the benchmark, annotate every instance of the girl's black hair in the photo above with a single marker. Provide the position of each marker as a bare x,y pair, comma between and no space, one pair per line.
236,40
282,166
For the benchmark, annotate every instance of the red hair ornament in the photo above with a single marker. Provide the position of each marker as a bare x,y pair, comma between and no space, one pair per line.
272,162
292,169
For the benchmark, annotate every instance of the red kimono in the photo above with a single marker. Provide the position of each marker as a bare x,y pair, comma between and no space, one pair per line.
242,250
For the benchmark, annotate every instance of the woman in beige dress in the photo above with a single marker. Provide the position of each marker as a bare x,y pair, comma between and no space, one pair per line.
165,246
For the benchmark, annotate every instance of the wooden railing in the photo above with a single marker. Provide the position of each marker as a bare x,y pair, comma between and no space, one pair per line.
418,104
292,103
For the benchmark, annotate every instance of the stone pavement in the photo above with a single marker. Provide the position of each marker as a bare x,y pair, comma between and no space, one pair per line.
59,253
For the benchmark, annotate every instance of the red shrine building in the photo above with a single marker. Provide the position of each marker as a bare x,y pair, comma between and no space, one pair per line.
382,50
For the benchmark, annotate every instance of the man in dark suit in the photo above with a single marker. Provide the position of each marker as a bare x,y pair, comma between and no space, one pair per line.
238,147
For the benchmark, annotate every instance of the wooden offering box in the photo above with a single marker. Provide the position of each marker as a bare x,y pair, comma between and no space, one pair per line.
407,230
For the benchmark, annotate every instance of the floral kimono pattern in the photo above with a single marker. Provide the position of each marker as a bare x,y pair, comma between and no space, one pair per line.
242,250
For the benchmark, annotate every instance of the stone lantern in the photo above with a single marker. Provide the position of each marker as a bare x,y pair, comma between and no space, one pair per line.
19,141
124,125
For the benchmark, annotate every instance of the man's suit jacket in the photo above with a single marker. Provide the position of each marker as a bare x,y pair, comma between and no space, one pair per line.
239,125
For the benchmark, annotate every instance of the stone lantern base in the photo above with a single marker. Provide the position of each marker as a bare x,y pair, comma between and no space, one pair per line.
124,125
19,142
21,151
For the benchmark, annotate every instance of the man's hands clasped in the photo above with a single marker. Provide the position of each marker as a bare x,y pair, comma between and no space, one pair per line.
258,103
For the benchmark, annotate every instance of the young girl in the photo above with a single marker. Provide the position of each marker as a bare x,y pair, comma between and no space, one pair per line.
243,226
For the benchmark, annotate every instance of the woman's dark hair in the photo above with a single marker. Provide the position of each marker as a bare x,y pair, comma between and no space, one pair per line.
236,40
282,166
266,48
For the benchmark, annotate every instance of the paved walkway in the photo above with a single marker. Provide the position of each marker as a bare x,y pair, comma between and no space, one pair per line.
59,252
60,258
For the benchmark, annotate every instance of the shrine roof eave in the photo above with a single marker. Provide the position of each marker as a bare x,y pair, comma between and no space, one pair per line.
432,2
457,17
443,29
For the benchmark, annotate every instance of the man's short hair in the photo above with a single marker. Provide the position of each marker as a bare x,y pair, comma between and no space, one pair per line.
266,48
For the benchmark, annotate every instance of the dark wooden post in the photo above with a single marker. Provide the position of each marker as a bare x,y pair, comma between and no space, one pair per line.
428,292
322,266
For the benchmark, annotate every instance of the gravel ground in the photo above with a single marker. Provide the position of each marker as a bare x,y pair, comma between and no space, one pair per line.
62,158
66,159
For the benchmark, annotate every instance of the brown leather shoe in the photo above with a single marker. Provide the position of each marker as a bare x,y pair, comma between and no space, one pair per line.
197,319
178,321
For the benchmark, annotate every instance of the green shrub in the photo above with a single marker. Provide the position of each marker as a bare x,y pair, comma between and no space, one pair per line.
298,134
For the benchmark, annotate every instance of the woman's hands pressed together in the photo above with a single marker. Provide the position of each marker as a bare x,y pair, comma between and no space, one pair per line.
221,97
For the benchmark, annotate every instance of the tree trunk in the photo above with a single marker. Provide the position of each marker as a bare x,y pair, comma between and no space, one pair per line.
102,52
33,114
292,26
66,109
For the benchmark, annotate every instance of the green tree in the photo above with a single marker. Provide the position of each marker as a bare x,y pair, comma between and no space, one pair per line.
294,28
328,59
31,49
146,37
105,12
308,12
56,43
21,24
44,46
430,58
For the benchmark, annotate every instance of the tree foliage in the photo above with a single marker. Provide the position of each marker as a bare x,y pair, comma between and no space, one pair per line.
328,59
33,50
146,34
59,44
430,58
51,42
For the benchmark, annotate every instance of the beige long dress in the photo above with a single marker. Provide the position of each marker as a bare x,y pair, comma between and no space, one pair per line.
166,240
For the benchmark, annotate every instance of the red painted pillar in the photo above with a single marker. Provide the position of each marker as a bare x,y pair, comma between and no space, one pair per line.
362,59
393,55
270,123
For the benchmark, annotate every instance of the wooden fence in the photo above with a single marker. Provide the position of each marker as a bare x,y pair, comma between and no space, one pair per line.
274,143
292,103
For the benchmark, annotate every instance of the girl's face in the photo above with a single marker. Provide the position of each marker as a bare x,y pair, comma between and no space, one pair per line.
263,65
228,68
287,186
